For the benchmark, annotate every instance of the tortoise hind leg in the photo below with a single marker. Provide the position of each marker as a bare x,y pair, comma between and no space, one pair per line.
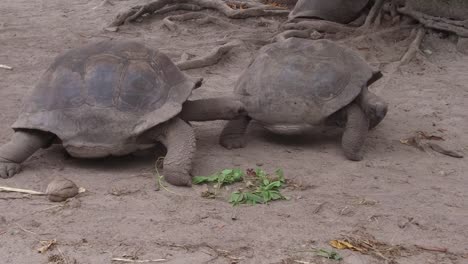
233,134
179,139
356,129
21,146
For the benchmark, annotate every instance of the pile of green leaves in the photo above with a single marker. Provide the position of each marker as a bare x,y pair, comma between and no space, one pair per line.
221,178
259,187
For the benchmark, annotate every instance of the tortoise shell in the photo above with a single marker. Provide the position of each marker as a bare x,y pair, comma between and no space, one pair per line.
341,11
104,95
301,82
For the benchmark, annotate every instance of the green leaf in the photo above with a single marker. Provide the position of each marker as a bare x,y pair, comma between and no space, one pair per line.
260,173
275,195
273,185
203,179
266,196
253,198
280,174
329,254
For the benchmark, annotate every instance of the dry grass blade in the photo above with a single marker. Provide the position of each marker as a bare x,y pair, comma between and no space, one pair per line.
137,261
46,245
369,245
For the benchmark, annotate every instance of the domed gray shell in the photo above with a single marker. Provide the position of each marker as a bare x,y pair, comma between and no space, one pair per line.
340,11
105,93
301,81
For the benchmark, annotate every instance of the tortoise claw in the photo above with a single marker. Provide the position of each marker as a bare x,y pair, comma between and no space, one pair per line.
8,169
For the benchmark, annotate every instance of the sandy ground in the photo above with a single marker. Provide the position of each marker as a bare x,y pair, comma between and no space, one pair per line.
398,194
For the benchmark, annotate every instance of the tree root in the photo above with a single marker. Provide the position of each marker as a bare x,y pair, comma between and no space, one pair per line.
188,7
212,58
413,48
135,12
458,27
201,17
374,15
318,25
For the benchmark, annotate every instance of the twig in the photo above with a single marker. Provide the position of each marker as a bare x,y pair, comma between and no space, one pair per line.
210,59
9,189
6,67
318,208
442,150
138,261
436,249
25,230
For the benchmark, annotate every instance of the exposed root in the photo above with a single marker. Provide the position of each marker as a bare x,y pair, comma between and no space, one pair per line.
188,7
374,15
377,33
208,60
252,11
454,26
413,48
200,17
318,25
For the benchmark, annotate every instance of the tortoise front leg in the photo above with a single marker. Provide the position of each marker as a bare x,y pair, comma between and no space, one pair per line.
21,146
222,108
179,139
233,135
354,136
374,107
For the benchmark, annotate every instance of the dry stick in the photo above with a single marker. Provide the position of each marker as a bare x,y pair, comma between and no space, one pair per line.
168,21
138,261
210,59
134,12
6,67
413,48
9,189
457,27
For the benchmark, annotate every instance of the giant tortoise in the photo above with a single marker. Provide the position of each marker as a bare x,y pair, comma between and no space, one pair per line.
340,11
109,99
295,84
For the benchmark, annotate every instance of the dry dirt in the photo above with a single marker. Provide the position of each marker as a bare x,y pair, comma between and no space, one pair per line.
398,194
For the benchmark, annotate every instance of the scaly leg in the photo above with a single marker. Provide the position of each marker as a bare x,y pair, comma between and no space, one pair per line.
233,135
354,136
21,146
179,139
